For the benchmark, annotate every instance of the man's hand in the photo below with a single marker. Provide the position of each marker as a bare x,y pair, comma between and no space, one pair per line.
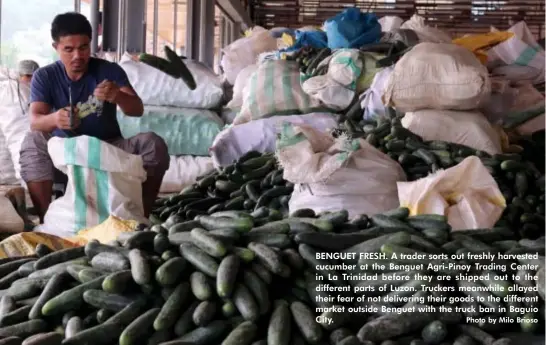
107,91
62,119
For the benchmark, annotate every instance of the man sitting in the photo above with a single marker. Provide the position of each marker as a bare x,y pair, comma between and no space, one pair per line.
97,87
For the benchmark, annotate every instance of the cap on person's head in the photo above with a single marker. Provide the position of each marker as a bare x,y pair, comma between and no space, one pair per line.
27,67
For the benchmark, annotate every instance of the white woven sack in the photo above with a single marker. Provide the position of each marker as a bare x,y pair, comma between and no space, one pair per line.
424,32
438,76
389,23
7,170
157,88
275,89
245,51
240,84
183,171
466,128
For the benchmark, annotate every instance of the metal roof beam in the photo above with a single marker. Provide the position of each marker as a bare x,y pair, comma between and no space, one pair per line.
236,12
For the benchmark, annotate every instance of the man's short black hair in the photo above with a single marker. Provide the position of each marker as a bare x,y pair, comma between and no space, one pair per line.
70,23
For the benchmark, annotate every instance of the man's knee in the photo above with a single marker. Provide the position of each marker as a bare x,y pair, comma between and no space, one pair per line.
34,160
155,152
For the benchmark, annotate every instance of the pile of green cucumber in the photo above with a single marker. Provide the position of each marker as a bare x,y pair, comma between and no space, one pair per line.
521,183
253,278
255,180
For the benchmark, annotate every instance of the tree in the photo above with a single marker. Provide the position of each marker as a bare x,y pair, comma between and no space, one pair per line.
9,55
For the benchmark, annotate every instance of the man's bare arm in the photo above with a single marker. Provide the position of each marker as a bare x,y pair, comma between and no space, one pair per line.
41,118
129,102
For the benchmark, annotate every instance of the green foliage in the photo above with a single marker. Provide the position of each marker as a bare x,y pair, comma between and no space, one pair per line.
26,29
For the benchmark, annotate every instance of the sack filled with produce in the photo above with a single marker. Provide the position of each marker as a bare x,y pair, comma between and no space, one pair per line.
466,194
182,172
239,87
245,51
158,88
275,89
466,128
438,76
103,180
331,174
261,135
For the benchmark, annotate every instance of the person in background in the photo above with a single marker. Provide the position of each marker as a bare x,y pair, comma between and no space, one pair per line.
26,69
97,87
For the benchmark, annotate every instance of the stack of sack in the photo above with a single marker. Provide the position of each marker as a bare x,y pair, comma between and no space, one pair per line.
185,119
439,86
272,95
273,90
267,92
239,56
394,30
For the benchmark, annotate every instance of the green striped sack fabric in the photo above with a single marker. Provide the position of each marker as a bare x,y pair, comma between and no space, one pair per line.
103,180
275,89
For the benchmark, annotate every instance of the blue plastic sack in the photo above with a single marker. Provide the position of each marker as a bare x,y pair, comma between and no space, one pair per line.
316,39
352,29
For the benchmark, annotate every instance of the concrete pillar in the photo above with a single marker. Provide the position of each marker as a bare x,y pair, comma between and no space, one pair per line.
95,9
206,32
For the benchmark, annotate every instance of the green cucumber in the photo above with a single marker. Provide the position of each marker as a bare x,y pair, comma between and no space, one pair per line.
100,334
53,288
161,243
262,272
117,282
88,274
434,333
59,256
200,286
258,289
184,226
209,244
171,271
243,334
73,326
7,305
268,257
239,224
138,328
280,325
93,248
105,300
305,321
172,308
110,261
50,338
185,323
70,299
199,259
17,316
388,222
204,313
245,303
320,224
227,275
140,267
213,333
244,254
24,329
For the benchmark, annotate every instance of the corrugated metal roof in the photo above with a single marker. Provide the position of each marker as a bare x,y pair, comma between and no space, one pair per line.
456,16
